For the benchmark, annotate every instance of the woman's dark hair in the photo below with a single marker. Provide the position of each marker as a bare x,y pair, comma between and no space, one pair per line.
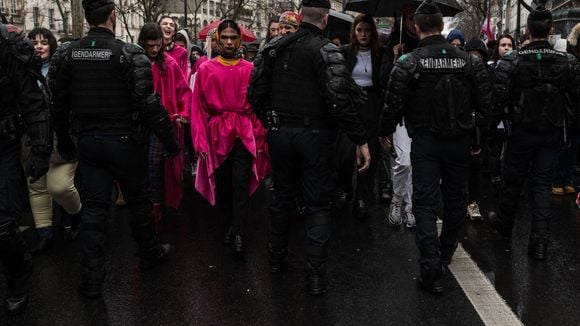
229,23
152,32
274,19
99,16
47,35
495,54
374,45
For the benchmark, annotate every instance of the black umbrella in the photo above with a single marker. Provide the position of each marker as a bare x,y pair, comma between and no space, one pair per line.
390,8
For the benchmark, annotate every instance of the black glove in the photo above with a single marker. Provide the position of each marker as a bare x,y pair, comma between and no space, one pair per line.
37,165
66,147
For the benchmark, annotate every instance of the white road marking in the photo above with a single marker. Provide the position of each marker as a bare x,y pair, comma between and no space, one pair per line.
491,307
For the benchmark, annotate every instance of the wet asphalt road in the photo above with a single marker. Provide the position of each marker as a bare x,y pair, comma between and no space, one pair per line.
372,272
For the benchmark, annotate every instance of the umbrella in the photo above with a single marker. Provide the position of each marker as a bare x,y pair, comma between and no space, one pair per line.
247,35
389,8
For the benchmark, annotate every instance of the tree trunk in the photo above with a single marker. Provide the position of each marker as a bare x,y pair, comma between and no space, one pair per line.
78,18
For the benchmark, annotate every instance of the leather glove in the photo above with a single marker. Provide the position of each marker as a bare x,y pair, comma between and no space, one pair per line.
66,147
37,166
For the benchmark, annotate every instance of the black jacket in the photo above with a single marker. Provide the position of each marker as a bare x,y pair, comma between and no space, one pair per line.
438,88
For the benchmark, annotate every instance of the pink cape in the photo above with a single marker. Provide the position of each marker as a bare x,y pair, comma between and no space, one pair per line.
220,114
179,54
175,97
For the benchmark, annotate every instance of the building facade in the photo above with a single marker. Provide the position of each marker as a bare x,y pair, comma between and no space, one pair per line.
56,16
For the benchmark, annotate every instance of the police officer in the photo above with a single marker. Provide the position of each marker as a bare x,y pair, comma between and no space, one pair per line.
443,93
537,89
313,92
104,87
22,108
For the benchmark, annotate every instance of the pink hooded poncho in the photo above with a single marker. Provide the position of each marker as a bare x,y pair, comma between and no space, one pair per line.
220,114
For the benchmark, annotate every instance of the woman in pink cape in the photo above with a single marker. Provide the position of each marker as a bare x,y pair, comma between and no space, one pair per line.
169,83
228,137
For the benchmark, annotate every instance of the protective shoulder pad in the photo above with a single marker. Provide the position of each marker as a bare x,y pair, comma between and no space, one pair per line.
134,54
331,54
407,62
132,48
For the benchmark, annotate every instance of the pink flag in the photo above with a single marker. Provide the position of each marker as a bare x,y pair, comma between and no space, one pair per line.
487,29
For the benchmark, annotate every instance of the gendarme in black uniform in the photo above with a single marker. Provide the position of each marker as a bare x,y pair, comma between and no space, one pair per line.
311,96
22,109
442,93
536,89
104,87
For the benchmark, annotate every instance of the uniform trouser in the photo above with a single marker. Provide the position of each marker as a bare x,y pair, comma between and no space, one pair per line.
232,178
103,159
301,164
402,172
13,254
57,184
535,152
440,168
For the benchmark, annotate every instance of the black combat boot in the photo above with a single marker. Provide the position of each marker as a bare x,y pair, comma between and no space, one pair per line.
495,221
538,246
430,278
277,257
17,267
154,256
315,277
447,255
92,278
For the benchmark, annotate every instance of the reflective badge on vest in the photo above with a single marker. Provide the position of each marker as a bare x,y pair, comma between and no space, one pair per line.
541,51
442,63
91,54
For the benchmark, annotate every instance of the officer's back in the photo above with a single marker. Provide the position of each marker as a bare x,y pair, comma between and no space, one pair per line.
105,88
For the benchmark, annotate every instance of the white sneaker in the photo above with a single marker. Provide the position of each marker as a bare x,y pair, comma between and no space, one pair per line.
410,218
395,212
473,212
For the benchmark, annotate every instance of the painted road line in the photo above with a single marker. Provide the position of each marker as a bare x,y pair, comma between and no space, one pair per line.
491,307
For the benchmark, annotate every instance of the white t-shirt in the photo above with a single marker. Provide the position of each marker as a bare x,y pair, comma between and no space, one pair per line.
363,70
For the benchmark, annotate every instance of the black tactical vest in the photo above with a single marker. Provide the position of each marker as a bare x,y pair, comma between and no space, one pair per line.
100,98
441,101
295,88
540,80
